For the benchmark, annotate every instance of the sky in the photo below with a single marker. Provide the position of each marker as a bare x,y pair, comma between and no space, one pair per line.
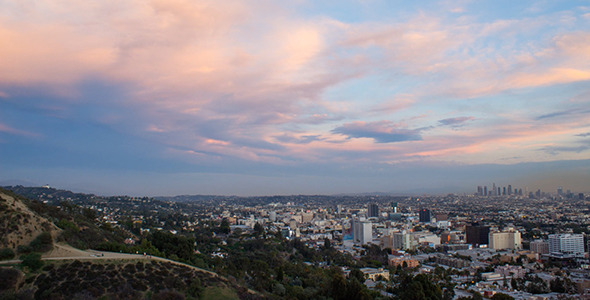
169,97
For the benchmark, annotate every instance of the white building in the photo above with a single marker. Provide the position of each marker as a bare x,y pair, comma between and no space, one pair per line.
403,240
362,232
567,244
505,240
427,238
272,216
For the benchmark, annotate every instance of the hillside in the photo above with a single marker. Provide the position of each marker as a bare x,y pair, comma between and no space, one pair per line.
70,223
66,272
116,279
19,224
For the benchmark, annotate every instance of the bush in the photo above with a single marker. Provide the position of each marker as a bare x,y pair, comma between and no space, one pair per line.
6,253
32,261
42,243
67,225
24,249
9,278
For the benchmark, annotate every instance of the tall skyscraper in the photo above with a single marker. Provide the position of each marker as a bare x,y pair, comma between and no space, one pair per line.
485,190
560,191
424,216
394,207
373,210
509,189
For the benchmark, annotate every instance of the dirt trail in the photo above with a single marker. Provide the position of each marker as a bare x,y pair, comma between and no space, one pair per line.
67,252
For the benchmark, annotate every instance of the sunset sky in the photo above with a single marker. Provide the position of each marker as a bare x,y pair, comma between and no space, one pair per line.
172,97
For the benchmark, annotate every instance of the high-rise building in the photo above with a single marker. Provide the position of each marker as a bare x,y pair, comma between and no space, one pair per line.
560,191
362,232
509,189
509,239
373,210
568,243
477,235
485,190
479,191
424,215
504,191
402,240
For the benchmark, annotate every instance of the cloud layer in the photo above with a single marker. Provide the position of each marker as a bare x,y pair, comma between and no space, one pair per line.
260,85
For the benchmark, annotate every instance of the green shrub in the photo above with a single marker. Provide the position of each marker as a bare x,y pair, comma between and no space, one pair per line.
24,249
42,243
32,261
6,253
67,225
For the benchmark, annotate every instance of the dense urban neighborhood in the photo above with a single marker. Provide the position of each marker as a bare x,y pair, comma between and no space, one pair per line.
498,243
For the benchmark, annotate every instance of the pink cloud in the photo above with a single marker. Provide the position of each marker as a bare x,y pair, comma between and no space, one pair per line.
9,130
225,79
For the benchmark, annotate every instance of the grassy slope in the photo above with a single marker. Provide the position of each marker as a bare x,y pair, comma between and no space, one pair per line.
18,223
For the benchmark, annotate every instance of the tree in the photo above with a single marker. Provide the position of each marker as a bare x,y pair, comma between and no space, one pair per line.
32,261
258,229
536,285
514,283
42,243
338,286
280,274
181,246
419,287
502,296
327,244
556,285
6,253
224,227
89,213
356,273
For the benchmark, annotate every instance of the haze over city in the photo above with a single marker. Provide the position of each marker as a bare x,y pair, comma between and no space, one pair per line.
265,97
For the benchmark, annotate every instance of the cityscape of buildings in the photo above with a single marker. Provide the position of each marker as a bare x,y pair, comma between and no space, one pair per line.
488,238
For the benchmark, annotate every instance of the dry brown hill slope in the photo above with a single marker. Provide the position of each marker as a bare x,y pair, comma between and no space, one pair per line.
18,224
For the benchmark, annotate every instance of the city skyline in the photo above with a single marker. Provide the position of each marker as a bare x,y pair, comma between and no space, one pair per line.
259,98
